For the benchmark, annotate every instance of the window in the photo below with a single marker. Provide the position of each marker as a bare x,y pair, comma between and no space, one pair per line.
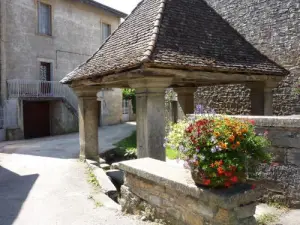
106,31
45,71
44,19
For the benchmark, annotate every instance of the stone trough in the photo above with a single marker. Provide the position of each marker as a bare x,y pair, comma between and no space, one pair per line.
159,190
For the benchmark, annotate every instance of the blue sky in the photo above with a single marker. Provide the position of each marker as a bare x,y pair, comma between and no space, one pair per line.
125,6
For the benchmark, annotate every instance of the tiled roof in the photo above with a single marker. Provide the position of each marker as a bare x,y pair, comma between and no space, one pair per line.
177,34
104,7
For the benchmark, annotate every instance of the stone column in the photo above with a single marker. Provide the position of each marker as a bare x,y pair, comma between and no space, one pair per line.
150,116
261,97
256,98
186,99
268,97
88,116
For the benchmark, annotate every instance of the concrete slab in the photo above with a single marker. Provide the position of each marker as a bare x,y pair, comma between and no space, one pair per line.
43,183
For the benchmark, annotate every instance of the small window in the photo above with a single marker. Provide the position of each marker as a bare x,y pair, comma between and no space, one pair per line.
44,19
106,31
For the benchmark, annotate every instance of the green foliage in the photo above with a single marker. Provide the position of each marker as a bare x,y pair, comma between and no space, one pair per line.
92,179
267,219
172,153
127,147
129,94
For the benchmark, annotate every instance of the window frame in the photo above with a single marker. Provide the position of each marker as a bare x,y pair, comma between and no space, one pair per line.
50,33
102,31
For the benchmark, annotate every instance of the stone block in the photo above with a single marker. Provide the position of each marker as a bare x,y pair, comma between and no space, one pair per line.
172,195
293,156
245,211
105,166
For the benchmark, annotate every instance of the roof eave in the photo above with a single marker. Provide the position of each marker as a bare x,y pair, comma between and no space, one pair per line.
104,7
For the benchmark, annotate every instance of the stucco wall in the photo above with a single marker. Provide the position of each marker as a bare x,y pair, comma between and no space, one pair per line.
111,107
273,27
76,35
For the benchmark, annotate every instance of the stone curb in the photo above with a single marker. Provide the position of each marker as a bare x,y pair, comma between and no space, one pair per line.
109,191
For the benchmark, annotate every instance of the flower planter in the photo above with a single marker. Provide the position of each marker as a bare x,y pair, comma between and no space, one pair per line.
201,181
219,150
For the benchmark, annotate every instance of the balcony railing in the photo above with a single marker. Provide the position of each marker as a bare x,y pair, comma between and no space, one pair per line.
41,89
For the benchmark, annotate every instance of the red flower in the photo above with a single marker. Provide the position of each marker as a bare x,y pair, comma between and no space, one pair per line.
220,170
206,182
212,165
233,168
234,179
227,184
252,122
228,173
253,186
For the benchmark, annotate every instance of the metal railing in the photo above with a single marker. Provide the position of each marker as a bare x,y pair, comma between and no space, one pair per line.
41,89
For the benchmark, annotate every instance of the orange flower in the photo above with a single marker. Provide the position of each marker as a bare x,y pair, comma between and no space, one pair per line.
217,134
231,138
212,165
233,146
218,163
223,145
244,130
238,143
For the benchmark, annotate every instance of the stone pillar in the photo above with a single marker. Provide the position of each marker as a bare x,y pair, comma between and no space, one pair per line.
186,99
256,98
150,116
88,113
268,97
261,97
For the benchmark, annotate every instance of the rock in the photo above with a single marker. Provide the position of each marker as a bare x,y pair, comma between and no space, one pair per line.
101,161
115,165
106,184
105,166
117,176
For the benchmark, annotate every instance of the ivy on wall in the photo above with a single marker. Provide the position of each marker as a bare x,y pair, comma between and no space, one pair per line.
129,94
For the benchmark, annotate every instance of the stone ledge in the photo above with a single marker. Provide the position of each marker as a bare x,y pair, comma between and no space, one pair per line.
270,121
180,180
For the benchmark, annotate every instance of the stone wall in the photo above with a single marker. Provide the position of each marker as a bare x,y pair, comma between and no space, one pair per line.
158,190
282,178
273,28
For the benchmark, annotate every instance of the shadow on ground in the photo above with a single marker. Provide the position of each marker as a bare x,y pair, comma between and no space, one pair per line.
14,190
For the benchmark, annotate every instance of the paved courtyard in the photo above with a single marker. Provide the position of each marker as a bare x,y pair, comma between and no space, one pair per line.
43,183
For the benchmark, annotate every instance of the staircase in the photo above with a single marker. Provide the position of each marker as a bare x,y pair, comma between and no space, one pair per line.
43,90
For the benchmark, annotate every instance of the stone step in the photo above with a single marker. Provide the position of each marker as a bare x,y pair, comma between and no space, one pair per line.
117,177
105,166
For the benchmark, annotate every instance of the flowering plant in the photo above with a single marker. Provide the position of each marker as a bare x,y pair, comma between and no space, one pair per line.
218,149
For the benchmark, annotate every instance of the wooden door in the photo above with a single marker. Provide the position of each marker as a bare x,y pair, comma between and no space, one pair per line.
36,116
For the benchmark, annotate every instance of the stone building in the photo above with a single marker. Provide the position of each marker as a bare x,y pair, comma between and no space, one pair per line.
41,41
273,27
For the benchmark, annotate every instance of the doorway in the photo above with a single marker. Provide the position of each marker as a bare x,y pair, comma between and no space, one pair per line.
36,117
45,76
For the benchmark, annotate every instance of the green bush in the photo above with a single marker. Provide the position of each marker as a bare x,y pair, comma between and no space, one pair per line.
129,94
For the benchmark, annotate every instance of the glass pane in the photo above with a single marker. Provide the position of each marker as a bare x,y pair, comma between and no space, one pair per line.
44,19
106,31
